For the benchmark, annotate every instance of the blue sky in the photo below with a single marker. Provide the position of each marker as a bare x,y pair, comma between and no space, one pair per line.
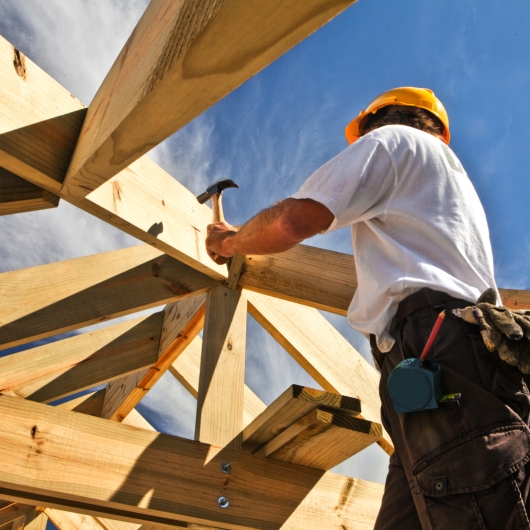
275,130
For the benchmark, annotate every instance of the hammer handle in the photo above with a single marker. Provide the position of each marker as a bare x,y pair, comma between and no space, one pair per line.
217,208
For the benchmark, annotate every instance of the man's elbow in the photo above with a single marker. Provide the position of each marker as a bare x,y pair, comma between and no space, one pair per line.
304,218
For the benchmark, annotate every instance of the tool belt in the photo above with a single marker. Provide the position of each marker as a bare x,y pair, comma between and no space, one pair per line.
421,299
504,331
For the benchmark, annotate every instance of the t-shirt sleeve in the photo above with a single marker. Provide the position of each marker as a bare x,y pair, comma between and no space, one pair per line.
352,183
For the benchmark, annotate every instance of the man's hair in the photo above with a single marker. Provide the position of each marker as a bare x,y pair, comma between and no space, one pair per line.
402,115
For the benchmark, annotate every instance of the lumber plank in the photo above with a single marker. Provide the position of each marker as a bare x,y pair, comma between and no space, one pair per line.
46,300
322,439
18,195
222,375
292,405
186,369
183,320
62,368
182,58
131,474
321,350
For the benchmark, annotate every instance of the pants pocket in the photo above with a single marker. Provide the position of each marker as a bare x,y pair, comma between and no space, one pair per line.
474,462
499,507
504,381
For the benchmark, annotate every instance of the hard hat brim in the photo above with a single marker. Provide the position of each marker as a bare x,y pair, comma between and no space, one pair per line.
353,130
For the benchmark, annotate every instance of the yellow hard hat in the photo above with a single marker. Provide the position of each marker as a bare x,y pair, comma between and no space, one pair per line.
423,98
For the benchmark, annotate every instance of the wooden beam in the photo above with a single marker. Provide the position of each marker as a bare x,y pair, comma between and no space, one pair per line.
322,439
183,320
306,275
322,351
50,299
17,524
112,524
13,511
187,368
62,368
322,279
18,195
65,520
222,375
131,474
515,298
295,403
73,521
182,58
36,520
90,404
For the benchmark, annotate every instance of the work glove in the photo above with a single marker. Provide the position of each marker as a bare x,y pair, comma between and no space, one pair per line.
503,330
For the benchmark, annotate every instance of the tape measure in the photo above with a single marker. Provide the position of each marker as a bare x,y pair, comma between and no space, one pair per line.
415,384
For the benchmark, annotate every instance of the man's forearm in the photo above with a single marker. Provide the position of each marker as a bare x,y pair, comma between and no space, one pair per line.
279,228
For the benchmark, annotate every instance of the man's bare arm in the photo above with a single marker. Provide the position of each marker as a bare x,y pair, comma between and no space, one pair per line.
273,230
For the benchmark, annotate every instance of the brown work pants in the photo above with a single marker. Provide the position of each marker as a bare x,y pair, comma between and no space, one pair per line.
464,465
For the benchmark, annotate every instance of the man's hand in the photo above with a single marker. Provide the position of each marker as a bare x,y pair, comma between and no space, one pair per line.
217,242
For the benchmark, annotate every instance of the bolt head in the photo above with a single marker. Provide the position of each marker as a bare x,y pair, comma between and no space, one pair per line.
223,502
226,467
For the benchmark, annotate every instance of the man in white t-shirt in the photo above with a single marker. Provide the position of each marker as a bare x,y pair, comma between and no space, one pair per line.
421,243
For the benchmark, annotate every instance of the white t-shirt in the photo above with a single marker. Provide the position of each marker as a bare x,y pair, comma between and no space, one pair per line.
416,221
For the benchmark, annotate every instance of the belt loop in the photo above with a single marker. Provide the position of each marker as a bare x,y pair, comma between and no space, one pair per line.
376,353
433,298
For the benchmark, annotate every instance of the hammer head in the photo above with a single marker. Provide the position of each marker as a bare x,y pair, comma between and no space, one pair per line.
217,187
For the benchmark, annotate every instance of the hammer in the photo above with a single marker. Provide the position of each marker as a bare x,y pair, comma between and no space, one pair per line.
213,192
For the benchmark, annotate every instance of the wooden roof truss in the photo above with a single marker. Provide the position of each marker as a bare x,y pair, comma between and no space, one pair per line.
93,462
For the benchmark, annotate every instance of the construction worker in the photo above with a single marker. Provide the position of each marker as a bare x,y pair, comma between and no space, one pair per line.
421,244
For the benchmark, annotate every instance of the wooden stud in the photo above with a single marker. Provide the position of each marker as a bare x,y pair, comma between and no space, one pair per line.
46,300
222,375
322,351
119,471
61,368
18,195
295,403
186,369
322,439
183,320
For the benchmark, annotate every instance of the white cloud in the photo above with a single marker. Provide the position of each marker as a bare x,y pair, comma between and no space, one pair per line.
170,408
